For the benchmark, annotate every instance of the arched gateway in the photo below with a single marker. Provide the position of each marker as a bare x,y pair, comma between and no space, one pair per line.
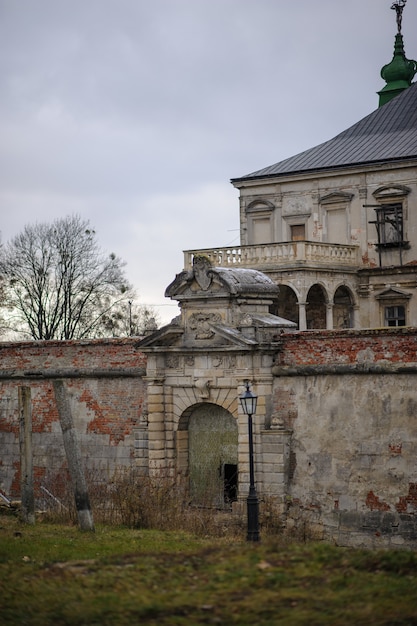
196,369
212,454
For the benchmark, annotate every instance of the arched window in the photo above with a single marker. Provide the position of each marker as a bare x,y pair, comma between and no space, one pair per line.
316,307
343,308
286,305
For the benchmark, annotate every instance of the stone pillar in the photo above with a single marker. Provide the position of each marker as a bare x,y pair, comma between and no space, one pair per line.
275,464
156,426
356,320
329,316
302,316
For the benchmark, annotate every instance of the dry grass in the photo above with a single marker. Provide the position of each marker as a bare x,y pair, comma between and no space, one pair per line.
136,501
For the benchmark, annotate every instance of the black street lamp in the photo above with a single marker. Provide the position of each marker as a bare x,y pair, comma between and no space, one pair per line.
248,401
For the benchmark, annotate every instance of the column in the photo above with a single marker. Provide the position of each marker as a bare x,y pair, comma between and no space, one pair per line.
302,315
329,315
156,426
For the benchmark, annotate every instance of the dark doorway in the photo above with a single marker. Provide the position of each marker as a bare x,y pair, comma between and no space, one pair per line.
230,482
316,308
343,308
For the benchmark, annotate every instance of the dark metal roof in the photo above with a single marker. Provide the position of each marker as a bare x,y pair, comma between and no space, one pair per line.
387,134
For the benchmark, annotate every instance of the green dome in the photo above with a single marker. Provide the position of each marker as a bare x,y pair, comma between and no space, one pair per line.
398,74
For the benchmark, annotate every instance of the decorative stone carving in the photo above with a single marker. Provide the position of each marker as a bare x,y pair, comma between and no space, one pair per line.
172,361
203,387
201,268
277,423
246,320
200,322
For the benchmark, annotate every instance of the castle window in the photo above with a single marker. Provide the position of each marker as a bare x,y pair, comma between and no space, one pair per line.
336,216
389,225
260,222
298,232
395,315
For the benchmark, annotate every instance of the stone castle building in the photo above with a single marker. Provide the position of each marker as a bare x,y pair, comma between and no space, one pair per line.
335,230
336,226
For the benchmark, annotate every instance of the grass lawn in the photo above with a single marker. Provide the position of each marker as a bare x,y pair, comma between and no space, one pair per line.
56,575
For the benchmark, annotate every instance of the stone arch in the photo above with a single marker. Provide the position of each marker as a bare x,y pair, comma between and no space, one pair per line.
286,305
260,204
207,453
343,308
317,300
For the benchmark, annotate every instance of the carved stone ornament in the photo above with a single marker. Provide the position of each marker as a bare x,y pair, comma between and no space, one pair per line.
172,361
277,423
203,387
246,320
201,267
200,322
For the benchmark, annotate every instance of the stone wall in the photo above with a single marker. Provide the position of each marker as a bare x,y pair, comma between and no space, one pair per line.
335,432
104,381
350,401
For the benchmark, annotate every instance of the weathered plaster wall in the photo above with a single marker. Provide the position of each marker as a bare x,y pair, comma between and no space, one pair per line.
335,431
107,395
350,400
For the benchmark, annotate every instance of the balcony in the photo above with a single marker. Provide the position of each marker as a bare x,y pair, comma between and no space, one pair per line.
287,255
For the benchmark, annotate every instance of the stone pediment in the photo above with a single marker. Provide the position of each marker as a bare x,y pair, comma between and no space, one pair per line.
392,293
336,197
221,308
203,330
391,191
201,335
165,336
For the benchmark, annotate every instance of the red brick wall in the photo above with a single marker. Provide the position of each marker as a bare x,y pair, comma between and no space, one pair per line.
104,382
348,347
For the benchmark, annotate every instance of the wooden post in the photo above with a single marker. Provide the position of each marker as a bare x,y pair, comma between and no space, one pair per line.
26,456
73,453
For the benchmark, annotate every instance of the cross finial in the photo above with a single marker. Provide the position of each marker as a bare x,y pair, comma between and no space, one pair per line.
398,7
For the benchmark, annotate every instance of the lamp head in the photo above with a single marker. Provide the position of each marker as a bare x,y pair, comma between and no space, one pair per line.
248,401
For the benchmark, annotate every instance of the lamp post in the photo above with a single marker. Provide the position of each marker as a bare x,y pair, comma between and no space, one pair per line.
248,401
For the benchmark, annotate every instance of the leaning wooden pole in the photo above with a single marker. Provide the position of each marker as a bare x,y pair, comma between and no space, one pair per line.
73,453
26,456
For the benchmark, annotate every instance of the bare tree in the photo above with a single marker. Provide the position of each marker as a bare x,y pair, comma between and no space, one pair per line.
129,319
58,282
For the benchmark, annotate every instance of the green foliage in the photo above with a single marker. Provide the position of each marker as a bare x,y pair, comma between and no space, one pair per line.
52,574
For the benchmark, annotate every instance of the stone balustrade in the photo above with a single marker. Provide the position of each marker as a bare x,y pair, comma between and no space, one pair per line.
270,255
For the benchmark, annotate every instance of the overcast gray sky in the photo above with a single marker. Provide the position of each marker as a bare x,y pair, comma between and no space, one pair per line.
135,114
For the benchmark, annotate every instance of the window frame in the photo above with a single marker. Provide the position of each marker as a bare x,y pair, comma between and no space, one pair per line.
396,317
392,214
293,235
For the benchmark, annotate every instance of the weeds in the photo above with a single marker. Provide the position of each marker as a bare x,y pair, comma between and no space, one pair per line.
135,500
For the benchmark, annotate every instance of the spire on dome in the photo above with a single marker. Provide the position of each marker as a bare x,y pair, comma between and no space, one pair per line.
400,72
398,7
